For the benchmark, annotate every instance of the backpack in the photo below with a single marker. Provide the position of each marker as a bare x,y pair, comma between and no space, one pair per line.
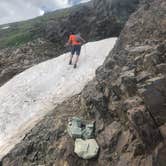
78,38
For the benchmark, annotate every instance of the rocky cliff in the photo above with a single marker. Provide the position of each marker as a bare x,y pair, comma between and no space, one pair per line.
27,43
127,100
110,11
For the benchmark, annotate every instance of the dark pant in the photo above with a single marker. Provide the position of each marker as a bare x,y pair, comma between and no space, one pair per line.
75,49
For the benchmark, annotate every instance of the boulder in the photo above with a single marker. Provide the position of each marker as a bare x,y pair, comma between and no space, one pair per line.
74,128
77,129
88,132
86,149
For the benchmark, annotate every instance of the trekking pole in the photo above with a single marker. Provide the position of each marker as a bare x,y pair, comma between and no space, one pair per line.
85,49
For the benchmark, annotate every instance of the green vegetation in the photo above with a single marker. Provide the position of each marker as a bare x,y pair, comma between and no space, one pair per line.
16,34
22,32
15,40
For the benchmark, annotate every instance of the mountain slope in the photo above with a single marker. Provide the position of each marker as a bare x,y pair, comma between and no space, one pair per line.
36,91
27,43
126,99
22,32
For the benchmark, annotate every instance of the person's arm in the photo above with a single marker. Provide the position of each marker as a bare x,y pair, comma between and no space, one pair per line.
68,42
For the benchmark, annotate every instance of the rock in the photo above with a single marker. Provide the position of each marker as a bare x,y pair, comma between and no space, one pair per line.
163,131
74,127
125,68
124,160
128,84
137,147
155,97
114,7
8,73
138,62
143,76
144,126
135,140
139,49
124,141
159,155
132,102
161,68
88,132
109,137
26,62
150,60
86,149
94,104
77,129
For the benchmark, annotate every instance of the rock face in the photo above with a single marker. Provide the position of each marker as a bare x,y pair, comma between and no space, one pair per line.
47,35
86,149
15,60
134,89
126,99
114,13
95,20
115,7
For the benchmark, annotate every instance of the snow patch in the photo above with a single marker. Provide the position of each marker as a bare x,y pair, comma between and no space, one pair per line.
26,98
6,27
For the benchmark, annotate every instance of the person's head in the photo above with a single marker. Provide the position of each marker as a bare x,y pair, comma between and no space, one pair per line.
71,33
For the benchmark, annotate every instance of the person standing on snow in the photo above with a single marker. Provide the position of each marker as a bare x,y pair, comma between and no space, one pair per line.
75,40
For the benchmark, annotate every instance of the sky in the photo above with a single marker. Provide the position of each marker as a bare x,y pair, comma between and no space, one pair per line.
18,10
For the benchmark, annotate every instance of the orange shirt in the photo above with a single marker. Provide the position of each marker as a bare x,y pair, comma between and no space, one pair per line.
73,40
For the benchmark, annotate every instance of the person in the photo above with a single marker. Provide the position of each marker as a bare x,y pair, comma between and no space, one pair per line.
75,40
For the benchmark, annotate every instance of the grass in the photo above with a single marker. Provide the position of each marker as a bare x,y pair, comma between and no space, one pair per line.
16,35
15,40
22,32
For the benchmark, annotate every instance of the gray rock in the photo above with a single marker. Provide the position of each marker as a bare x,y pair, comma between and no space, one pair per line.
139,49
88,132
119,146
109,137
86,149
77,129
150,60
155,97
128,84
144,126
163,131
143,76
161,68
74,128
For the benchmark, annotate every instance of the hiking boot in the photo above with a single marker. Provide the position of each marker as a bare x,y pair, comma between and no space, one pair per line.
75,65
70,62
